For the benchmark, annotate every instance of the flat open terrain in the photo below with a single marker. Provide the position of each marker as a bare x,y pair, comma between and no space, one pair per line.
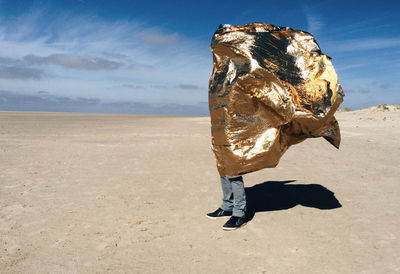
86,193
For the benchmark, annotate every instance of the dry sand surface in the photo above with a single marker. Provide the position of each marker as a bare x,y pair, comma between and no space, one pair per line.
85,193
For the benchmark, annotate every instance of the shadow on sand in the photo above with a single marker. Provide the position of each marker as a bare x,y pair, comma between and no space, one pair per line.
278,195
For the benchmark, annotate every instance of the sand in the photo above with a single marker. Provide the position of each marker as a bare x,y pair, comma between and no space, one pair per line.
86,193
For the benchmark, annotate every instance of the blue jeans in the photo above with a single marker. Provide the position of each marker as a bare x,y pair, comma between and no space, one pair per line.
234,196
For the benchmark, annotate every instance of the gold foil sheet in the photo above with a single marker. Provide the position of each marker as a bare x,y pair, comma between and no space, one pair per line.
271,87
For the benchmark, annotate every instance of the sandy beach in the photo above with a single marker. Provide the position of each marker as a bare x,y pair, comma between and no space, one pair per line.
104,193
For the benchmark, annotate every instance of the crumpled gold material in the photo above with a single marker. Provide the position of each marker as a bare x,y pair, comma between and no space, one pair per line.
271,87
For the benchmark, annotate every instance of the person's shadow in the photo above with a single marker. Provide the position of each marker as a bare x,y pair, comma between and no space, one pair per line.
278,195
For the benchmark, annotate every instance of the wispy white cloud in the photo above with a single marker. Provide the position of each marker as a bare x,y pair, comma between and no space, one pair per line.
12,72
314,25
384,86
361,44
115,55
314,21
359,27
85,56
73,62
346,67
362,90
45,101
188,86
160,39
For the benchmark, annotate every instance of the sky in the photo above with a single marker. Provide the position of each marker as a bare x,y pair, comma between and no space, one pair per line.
154,56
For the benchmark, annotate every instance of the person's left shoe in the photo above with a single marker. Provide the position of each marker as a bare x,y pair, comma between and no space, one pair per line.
234,223
218,213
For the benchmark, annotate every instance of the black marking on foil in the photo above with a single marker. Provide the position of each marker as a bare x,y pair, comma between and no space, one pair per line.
328,97
318,109
329,132
219,30
248,119
266,46
226,93
307,106
217,82
220,106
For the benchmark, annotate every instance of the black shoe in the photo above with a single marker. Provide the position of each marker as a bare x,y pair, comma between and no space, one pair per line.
219,213
234,223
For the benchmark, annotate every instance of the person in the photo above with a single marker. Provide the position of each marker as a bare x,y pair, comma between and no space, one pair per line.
270,88
233,203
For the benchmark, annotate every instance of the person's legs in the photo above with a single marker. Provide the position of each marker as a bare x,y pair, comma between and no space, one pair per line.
239,197
227,194
233,203
238,218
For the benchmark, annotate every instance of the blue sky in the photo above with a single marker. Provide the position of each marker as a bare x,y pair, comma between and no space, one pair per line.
154,56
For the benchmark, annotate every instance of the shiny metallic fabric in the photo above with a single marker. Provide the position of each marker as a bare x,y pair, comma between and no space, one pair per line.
271,87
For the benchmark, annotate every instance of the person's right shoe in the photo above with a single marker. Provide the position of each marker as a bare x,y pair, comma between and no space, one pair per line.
219,213
234,223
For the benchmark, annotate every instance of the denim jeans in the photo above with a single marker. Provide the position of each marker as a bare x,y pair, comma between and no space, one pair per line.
234,196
